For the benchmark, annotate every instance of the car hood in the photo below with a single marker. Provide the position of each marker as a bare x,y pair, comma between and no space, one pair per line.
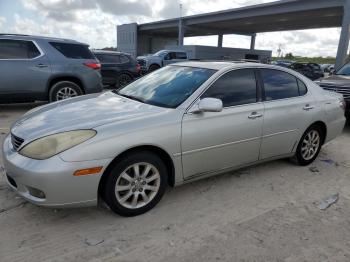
336,80
83,112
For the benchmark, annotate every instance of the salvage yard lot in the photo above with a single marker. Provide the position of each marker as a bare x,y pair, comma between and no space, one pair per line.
268,212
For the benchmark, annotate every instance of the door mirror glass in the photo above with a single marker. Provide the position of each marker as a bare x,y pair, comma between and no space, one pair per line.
208,105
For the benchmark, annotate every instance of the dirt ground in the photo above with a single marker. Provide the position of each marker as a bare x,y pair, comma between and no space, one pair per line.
268,213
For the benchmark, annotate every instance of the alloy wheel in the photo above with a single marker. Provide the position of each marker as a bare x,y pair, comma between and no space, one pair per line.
137,185
310,145
65,93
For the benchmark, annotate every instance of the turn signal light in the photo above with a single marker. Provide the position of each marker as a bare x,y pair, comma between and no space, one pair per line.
88,171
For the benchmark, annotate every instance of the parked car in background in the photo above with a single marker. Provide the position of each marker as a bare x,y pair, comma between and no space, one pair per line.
339,82
48,69
283,63
311,70
330,69
178,124
162,58
117,69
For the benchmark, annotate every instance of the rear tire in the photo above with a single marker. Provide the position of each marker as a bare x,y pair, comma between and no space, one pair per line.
64,90
309,146
135,184
123,80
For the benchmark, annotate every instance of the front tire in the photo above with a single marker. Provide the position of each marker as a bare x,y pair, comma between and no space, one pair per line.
153,68
135,184
63,90
309,146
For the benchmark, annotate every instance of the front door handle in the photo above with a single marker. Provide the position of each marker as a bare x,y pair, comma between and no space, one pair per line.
255,115
308,107
41,65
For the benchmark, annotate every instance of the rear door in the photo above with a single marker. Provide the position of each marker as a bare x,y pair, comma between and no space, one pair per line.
110,68
289,111
24,68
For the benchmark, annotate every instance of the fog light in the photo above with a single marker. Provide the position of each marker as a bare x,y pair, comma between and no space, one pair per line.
36,192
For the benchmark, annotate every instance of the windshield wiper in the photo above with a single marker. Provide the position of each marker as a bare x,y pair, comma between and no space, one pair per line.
131,97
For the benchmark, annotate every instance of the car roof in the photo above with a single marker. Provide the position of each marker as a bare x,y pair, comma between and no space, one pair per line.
95,51
172,50
35,37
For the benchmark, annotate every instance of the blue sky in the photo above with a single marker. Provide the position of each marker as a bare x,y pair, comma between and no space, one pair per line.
94,22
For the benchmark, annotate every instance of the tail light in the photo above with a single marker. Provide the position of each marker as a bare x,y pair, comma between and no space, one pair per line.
94,66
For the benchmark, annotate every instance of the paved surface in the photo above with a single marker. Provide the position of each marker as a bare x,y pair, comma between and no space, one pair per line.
265,213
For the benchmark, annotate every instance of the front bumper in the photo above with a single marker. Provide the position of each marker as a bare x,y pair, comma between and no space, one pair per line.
51,182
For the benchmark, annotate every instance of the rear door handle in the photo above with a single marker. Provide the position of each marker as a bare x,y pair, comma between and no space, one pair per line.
308,107
41,65
255,115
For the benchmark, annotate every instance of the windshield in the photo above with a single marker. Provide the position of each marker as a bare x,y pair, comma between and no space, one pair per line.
345,70
167,87
161,53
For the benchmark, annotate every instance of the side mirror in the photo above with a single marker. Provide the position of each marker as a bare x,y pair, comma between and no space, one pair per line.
207,105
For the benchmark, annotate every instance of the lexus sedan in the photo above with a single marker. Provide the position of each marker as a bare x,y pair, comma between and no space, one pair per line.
181,123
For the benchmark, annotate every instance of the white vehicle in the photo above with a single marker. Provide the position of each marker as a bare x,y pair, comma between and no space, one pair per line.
176,125
162,58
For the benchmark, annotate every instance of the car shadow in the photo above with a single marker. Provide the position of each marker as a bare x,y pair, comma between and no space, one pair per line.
20,107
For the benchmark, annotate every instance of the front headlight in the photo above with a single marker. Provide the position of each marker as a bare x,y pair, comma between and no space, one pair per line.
46,147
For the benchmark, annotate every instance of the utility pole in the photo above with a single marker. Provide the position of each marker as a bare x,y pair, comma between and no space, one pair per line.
181,28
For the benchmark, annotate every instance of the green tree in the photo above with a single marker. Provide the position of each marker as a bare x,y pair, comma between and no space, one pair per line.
289,56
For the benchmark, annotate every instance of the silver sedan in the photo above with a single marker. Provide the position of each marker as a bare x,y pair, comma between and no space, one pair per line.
181,123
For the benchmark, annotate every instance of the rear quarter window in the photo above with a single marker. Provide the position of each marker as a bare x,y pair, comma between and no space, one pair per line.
74,51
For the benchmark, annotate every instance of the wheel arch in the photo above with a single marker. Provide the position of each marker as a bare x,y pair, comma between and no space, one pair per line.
155,64
166,158
60,78
323,127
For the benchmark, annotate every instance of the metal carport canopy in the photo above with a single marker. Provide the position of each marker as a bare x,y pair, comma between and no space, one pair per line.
269,17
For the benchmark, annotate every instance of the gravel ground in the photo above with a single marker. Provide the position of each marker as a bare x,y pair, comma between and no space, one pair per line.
268,212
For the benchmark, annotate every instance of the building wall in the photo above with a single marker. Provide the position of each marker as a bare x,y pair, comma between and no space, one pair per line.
152,44
221,53
127,38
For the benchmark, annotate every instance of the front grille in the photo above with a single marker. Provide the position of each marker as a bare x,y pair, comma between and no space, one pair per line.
341,90
16,141
141,62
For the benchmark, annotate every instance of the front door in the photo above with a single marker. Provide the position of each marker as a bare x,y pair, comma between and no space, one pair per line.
214,141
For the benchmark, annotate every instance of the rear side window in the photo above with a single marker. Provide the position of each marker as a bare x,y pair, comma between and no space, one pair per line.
279,85
181,55
237,87
74,51
106,58
18,49
124,59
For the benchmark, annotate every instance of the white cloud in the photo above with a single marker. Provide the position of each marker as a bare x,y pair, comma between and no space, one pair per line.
94,21
2,22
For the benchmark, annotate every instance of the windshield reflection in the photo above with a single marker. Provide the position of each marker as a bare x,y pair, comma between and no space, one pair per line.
167,87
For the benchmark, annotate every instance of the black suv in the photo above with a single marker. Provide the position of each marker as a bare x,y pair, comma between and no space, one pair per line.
48,69
310,70
339,82
117,69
